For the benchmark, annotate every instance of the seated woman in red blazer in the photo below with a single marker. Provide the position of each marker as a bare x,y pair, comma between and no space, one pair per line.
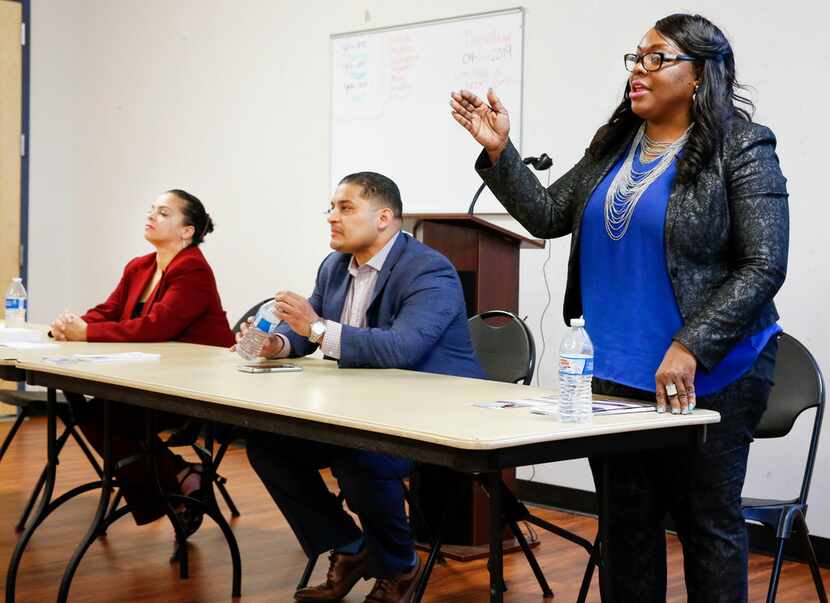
168,295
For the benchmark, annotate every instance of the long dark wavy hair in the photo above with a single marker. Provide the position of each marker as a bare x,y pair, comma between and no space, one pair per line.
717,100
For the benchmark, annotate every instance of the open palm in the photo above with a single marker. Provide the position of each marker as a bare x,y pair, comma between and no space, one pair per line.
488,125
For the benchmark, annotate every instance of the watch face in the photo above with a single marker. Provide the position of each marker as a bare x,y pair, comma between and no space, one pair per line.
318,328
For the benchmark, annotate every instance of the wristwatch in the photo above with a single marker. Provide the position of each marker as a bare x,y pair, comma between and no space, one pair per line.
317,330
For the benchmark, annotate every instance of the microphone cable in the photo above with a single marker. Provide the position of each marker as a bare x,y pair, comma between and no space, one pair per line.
542,329
545,309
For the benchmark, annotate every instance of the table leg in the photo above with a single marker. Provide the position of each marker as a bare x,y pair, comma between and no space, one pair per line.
496,562
38,489
437,540
101,513
605,581
51,467
209,506
24,412
212,511
180,553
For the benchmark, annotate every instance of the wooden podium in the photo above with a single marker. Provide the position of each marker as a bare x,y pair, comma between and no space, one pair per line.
486,257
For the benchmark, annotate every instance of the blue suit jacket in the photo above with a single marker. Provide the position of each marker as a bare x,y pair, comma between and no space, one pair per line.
416,319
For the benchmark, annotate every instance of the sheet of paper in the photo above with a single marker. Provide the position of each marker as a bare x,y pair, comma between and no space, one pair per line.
617,407
515,403
8,335
104,358
28,345
508,404
549,406
601,407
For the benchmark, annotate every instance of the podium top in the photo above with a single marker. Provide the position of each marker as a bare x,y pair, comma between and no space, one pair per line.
474,221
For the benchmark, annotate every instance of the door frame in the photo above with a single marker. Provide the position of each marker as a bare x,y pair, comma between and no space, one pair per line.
26,20
26,6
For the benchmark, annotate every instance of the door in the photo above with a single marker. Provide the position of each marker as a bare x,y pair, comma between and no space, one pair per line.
11,107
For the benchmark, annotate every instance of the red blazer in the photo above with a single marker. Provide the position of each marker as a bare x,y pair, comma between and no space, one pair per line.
184,306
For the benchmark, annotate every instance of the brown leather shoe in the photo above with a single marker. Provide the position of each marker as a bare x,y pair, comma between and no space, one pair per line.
399,589
344,572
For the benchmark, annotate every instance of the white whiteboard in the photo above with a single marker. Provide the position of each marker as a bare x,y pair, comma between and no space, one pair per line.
390,108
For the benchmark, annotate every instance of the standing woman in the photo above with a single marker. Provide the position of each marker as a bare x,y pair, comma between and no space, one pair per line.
679,217
167,295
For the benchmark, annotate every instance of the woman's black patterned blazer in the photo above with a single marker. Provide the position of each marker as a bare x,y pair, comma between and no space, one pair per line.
726,233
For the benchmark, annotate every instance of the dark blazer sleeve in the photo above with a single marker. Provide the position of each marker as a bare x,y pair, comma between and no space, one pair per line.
759,234
429,304
546,213
112,308
185,297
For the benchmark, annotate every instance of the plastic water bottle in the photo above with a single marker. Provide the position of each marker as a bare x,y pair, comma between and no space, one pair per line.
576,368
16,305
265,322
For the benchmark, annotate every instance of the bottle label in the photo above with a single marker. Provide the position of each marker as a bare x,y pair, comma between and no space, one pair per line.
263,325
576,365
15,303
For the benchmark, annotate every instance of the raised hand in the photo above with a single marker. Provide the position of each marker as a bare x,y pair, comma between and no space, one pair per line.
488,125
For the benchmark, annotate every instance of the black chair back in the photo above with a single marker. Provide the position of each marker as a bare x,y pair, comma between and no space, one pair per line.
506,351
799,386
249,314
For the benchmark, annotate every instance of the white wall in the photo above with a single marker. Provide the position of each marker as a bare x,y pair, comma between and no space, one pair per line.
231,101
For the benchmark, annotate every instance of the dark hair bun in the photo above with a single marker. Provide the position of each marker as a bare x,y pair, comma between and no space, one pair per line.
194,215
208,225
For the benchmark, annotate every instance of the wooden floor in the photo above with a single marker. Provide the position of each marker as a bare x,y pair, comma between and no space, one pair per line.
131,563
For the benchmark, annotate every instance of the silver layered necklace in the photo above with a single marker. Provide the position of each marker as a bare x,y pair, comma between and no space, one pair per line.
630,183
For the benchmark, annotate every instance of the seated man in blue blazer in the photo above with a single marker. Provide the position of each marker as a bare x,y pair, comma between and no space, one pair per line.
382,300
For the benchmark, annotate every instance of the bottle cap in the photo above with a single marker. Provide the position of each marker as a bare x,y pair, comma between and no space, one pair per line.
577,322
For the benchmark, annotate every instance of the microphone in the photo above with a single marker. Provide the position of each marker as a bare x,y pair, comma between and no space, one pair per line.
540,163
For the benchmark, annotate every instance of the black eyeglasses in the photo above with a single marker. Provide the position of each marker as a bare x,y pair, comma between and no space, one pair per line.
653,61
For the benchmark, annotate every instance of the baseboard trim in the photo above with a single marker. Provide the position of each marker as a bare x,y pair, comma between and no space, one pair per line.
574,500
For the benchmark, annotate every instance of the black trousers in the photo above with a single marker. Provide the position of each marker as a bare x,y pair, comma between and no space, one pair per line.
701,489
370,482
